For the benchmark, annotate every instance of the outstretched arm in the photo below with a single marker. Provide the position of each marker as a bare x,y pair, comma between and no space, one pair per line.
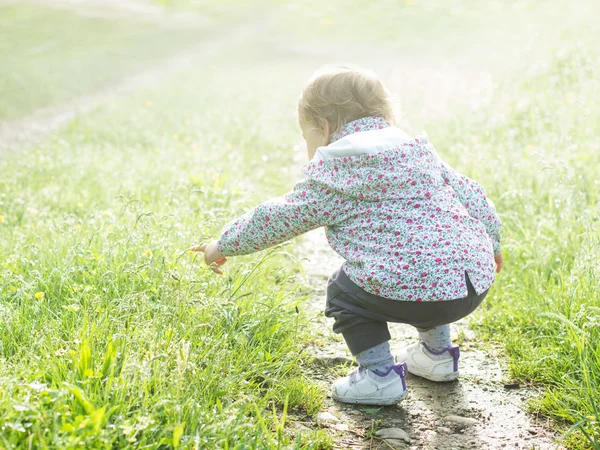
310,205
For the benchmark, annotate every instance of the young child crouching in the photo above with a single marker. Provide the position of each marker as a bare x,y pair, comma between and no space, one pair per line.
421,242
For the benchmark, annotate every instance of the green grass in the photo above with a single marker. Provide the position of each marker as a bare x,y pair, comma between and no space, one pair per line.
503,35
48,56
238,9
112,335
544,178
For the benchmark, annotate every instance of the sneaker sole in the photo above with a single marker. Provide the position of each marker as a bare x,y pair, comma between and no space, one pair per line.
437,378
370,401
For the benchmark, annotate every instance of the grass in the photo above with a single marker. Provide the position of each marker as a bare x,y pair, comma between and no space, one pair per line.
545,306
502,35
112,335
238,9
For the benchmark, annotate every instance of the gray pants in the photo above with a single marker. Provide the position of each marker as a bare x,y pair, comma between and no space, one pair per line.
362,317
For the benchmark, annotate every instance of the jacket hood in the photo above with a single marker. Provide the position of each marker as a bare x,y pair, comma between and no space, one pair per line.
373,165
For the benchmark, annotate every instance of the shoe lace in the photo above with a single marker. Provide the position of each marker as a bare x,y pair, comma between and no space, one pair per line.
356,374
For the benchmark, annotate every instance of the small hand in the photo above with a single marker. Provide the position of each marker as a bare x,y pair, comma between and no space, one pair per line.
212,256
498,259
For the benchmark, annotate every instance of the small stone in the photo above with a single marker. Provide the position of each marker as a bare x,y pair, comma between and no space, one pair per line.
394,433
341,427
429,434
302,428
396,444
460,420
445,430
326,417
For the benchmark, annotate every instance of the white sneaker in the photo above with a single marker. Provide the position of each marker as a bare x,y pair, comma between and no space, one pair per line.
366,387
426,363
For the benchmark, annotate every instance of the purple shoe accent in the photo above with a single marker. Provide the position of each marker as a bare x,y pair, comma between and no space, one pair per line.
453,350
433,352
400,369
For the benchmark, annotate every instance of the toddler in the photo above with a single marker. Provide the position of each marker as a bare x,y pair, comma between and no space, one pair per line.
421,242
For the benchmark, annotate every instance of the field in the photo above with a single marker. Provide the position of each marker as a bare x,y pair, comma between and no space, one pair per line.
114,335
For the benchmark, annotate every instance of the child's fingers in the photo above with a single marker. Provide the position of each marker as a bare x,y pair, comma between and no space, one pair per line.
499,261
200,248
215,268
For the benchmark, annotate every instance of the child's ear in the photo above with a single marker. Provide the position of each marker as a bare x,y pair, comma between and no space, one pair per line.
327,132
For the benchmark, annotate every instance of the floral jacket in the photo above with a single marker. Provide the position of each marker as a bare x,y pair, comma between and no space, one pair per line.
407,224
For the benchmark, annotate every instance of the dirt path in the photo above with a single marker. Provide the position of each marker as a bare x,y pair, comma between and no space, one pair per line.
478,411
34,127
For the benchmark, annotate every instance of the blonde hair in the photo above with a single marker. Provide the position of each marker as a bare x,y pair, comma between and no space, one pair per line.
342,94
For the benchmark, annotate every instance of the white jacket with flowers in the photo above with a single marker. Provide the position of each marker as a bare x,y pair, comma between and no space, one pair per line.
407,224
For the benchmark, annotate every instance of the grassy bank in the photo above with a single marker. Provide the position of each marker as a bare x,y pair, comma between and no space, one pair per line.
545,180
112,335
50,56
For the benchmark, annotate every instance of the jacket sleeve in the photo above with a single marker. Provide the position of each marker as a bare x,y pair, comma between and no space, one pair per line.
472,195
310,205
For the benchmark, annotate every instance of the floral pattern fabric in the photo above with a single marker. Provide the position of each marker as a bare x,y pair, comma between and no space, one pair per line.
407,224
